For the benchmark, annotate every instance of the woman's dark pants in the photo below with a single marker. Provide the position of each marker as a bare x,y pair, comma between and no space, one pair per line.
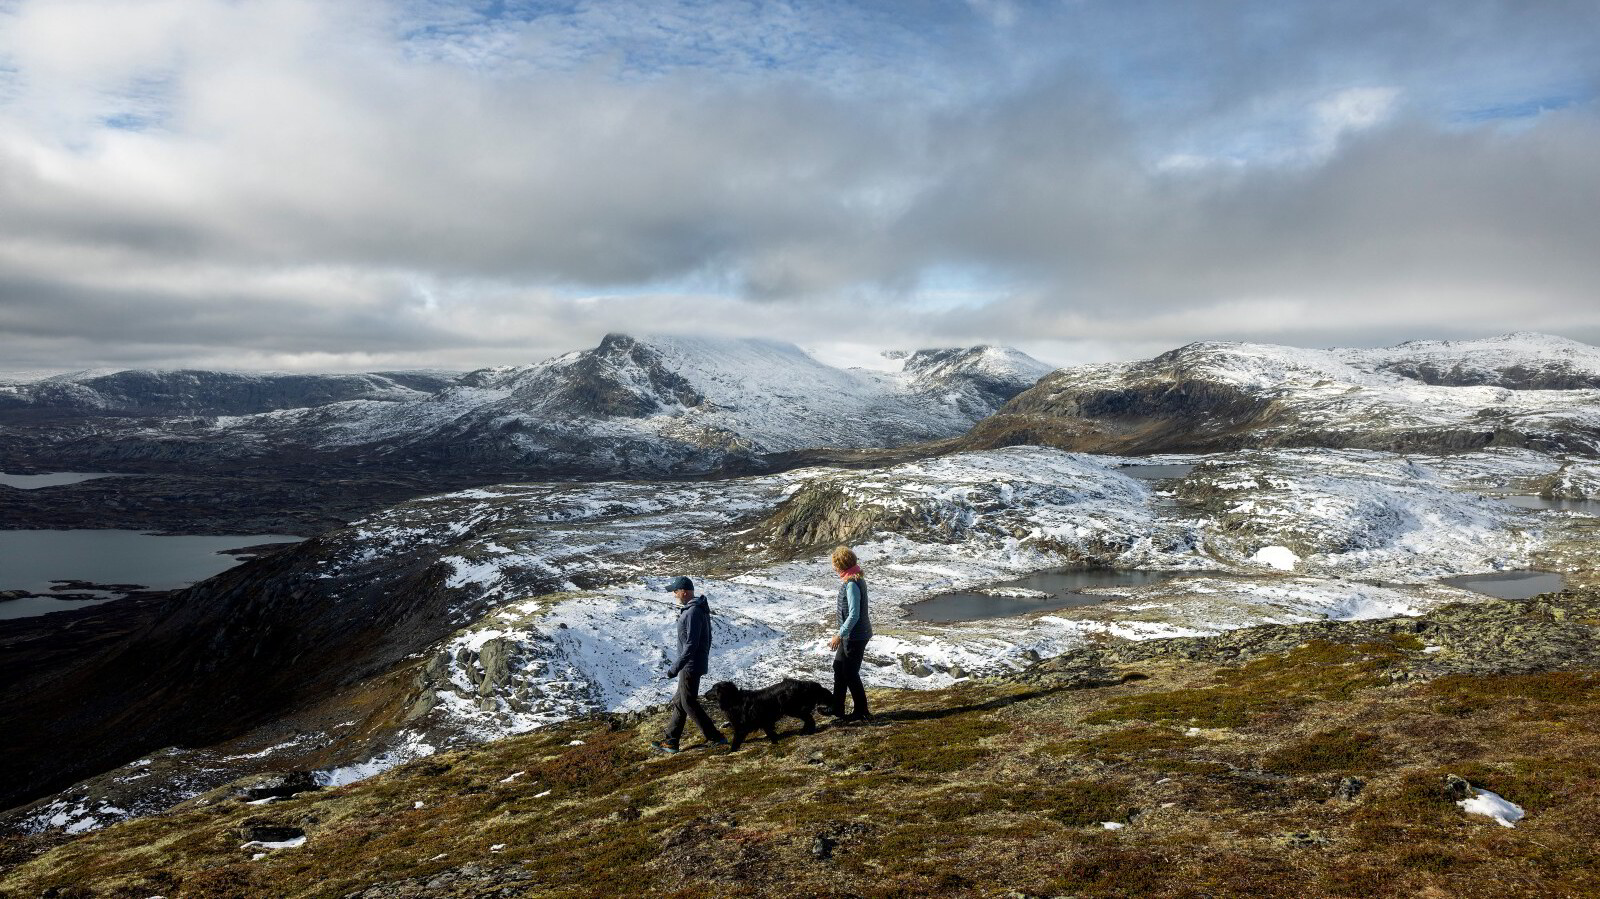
847,676
686,704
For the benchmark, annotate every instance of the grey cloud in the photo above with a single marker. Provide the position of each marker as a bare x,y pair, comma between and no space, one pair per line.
800,200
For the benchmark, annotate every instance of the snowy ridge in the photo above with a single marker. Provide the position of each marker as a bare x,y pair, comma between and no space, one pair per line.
1522,389
668,403
1476,363
1511,360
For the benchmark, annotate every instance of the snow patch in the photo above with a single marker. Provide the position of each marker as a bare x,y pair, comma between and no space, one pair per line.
1492,805
1279,557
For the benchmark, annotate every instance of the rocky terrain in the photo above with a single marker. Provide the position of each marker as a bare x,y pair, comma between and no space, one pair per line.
438,623
1519,390
1453,754
465,617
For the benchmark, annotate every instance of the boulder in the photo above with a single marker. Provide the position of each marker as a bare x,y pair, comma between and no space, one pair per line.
280,786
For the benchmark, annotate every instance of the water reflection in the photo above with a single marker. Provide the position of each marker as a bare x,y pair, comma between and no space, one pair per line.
1509,584
54,479
35,560
1545,503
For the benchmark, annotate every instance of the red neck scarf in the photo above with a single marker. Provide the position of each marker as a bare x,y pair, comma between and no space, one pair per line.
848,573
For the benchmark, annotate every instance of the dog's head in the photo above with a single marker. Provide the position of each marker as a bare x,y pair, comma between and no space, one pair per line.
725,693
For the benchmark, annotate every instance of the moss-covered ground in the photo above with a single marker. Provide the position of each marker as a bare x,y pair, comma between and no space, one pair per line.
1226,779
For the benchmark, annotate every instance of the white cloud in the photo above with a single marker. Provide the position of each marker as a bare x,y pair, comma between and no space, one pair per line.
286,181
1350,110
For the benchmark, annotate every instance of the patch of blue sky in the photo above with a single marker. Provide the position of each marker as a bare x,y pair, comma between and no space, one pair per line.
950,287
849,46
128,121
144,103
11,82
1518,109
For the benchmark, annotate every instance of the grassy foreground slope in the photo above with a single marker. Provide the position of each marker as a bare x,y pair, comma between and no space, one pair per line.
1303,760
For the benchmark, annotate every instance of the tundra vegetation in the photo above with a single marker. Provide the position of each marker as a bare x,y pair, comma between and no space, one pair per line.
1284,760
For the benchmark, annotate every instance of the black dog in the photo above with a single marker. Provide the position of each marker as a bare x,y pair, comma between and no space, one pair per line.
752,710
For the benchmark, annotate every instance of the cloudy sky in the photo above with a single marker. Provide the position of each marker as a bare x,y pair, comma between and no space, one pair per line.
298,184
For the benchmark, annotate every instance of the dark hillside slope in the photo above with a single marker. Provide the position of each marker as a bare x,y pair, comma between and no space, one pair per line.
221,656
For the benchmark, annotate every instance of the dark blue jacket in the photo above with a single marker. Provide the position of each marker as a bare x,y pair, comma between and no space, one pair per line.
694,638
863,627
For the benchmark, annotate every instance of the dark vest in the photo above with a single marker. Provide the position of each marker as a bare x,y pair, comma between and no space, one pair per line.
863,628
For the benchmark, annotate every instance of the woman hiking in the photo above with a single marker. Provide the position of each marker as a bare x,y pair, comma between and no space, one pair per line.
855,629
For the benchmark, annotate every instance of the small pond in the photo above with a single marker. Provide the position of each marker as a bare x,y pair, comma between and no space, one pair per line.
1156,472
1509,584
35,561
54,479
1042,591
1545,503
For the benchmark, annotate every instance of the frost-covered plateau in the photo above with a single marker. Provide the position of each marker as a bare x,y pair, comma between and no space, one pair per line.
1366,534
1529,390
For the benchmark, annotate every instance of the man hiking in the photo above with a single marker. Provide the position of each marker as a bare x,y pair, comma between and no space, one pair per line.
694,648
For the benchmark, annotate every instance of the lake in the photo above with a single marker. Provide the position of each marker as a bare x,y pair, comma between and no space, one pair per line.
1509,584
54,479
1545,503
30,560
1042,591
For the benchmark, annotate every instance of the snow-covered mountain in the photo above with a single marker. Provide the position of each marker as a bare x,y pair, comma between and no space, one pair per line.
667,405
1518,361
1517,390
678,403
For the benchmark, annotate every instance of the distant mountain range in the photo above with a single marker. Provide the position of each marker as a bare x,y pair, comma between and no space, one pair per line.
136,393
632,407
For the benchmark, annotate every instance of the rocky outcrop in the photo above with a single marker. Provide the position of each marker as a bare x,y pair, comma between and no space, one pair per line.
826,515
602,383
1556,632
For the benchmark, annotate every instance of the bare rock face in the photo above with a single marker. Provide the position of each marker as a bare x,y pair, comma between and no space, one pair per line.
824,515
492,658
278,786
599,383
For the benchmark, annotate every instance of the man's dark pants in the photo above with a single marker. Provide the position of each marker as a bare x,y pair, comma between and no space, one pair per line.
686,704
847,676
